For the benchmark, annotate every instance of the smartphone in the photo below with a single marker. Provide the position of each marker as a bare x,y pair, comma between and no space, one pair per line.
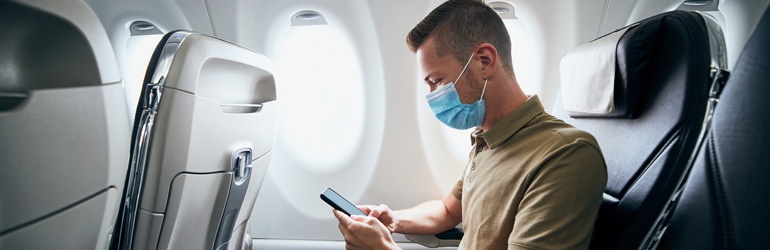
340,203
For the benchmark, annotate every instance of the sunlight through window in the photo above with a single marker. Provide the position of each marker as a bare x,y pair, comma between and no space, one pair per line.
321,96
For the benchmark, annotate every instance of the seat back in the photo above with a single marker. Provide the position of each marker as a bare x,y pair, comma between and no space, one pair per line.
64,130
724,205
661,87
203,138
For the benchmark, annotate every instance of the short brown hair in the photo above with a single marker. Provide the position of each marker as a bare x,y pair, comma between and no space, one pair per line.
459,26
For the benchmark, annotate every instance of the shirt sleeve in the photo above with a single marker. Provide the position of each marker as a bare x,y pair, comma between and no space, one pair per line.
560,206
457,190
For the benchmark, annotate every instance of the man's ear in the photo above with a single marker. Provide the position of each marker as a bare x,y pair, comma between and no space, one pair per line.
487,54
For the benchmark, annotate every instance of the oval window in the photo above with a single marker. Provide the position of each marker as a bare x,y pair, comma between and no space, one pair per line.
321,97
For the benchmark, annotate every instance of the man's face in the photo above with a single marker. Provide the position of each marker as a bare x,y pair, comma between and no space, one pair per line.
439,71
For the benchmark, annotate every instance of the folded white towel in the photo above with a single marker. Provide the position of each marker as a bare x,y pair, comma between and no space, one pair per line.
588,76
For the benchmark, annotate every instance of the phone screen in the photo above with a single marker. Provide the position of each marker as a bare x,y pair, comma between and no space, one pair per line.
340,203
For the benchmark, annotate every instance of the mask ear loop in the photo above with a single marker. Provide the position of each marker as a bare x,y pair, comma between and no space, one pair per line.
483,89
464,67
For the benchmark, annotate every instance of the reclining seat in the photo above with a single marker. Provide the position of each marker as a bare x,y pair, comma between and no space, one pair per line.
64,130
205,128
724,204
647,117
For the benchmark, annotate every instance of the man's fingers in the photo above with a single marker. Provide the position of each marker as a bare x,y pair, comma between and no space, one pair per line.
379,211
366,208
375,213
383,209
371,221
344,223
342,217
343,230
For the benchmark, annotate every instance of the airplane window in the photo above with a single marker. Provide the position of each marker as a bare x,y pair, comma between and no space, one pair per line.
321,114
331,117
525,64
137,55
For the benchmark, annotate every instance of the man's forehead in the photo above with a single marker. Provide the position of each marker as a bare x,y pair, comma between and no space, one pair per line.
428,50
428,47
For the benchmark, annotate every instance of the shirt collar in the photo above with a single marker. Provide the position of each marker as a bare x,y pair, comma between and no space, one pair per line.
510,124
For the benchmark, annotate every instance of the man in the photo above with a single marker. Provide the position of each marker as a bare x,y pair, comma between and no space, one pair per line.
532,181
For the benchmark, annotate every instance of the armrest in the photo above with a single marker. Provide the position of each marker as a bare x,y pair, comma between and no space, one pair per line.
449,238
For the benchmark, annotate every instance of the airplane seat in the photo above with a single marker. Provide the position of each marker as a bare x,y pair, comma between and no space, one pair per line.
64,130
203,137
642,91
722,205
643,95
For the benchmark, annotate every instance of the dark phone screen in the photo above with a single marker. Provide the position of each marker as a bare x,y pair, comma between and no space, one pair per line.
340,203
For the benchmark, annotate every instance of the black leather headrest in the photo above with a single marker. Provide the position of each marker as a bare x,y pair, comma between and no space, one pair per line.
634,55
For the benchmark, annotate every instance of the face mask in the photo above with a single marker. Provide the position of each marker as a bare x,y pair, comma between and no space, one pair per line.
445,103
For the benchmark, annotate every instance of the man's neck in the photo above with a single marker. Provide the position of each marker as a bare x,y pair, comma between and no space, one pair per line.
501,102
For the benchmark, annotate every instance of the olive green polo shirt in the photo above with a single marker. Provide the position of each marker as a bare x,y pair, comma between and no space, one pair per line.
532,182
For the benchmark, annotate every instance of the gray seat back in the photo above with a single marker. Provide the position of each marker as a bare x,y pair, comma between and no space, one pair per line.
64,131
205,128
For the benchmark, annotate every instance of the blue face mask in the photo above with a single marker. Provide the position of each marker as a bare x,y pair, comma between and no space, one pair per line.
445,103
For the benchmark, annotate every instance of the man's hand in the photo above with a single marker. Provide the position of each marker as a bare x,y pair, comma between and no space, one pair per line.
364,232
382,213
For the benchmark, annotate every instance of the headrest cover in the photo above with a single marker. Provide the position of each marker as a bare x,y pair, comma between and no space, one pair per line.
588,76
602,78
